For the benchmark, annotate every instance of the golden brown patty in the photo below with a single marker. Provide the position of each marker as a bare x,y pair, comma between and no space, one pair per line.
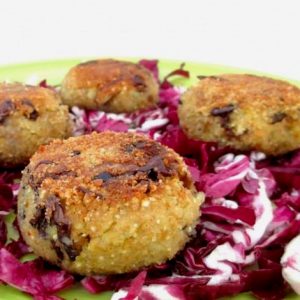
110,85
245,112
107,203
29,116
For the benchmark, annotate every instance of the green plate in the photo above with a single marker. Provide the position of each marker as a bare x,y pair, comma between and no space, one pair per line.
54,71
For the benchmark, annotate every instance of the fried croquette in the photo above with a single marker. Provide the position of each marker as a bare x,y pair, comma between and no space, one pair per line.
107,203
29,116
110,85
245,112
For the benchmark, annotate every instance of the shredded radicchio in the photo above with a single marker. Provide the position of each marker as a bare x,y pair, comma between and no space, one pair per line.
246,241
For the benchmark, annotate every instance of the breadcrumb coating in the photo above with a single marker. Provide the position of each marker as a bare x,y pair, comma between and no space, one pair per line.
245,112
29,117
107,203
110,85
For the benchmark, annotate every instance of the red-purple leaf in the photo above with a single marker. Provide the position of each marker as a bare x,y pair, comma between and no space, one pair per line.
151,65
178,72
97,284
243,214
6,197
3,232
136,286
30,277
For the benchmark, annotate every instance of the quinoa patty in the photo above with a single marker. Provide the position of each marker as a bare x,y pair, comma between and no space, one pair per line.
110,85
245,112
107,203
29,116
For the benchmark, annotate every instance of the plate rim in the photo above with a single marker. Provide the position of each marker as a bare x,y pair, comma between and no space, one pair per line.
188,62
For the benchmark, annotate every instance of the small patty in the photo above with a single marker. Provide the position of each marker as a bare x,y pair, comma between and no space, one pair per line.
245,112
107,203
29,117
110,85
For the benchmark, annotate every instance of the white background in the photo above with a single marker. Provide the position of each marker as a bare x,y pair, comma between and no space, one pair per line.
256,34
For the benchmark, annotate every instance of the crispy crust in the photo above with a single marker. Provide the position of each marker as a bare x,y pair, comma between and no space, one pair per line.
245,112
119,164
27,98
110,85
109,190
29,116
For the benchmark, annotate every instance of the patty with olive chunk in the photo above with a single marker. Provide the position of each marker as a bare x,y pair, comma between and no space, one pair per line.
107,203
245,112
110,85
29,116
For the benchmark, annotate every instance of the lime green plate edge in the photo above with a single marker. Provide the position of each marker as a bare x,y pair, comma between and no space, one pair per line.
53,71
